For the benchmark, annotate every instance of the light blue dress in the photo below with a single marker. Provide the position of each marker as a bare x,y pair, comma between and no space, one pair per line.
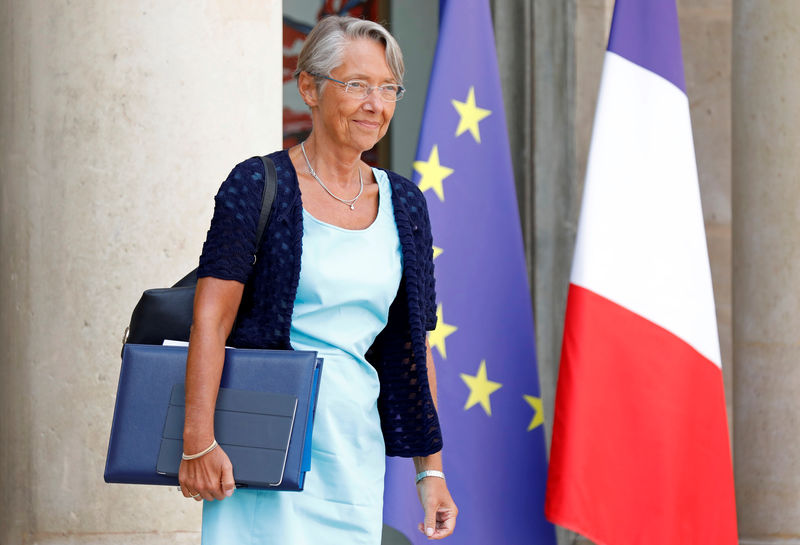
348,280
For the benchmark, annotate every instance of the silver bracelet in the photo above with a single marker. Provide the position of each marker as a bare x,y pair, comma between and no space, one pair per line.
199,454
429,473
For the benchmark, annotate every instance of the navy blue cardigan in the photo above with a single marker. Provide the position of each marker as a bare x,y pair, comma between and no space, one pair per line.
408,417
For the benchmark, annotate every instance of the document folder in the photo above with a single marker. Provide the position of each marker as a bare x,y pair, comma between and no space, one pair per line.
147,378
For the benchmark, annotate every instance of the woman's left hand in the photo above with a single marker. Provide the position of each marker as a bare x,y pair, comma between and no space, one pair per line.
440,509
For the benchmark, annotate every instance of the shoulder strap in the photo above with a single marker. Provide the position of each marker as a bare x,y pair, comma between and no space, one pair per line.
267,198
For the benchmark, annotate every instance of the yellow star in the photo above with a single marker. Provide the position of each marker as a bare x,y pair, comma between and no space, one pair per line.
538,412
432,173
437,336
480,388
437,252
471,115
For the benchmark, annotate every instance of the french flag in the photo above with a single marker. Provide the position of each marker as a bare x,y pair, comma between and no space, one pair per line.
640,451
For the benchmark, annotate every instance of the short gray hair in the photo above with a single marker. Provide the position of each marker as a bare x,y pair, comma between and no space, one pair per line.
323,49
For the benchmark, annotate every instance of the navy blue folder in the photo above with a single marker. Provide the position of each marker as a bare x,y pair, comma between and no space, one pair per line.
146,381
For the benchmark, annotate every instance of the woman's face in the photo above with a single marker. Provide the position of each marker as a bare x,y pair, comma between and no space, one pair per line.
353,122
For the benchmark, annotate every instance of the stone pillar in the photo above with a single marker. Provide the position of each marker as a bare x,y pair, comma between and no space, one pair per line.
537,64
766,269
118,121
536,55
556,188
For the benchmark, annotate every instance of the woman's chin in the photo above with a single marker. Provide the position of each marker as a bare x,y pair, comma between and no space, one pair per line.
365,139
366,144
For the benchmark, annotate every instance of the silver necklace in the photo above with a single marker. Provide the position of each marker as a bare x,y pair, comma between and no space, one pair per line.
349,202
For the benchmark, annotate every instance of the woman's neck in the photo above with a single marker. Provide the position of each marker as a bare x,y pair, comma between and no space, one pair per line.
333,164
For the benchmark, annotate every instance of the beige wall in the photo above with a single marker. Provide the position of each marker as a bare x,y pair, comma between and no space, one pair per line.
766,269
118,120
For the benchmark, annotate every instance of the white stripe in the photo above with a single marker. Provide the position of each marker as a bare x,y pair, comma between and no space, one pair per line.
641,238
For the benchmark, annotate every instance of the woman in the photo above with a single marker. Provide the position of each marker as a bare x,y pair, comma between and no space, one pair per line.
345,269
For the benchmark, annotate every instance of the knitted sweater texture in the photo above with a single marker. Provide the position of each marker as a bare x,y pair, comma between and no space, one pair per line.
408,417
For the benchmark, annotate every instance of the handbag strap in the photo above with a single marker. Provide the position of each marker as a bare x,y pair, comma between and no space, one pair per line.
267,198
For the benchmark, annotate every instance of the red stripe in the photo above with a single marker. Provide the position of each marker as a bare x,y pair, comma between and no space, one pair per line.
640,451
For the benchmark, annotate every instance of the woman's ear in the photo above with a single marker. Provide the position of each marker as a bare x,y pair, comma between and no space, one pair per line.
307,85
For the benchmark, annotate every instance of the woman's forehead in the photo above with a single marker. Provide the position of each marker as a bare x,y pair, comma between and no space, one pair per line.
365,57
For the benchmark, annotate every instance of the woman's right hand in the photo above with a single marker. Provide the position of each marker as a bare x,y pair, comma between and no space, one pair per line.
210,476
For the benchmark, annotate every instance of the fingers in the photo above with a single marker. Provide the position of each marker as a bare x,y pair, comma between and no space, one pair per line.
429,522
186,480
228,484
444,525
221,477
195,488
187,493
207,478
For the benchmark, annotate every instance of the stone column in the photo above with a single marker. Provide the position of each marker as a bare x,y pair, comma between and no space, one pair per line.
537,64
536,54
766,269
118,121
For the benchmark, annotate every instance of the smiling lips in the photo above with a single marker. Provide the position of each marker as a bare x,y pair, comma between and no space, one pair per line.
367,124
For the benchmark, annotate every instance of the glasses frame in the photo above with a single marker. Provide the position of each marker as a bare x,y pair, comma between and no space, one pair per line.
400,89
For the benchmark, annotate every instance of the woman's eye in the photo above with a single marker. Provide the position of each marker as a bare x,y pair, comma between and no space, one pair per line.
356,84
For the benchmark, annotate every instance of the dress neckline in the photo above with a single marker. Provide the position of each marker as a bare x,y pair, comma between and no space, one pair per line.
382,185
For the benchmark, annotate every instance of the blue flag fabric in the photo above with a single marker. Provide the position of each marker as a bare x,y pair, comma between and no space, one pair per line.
489,399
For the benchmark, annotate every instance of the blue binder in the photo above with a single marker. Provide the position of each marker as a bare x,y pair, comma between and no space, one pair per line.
147,378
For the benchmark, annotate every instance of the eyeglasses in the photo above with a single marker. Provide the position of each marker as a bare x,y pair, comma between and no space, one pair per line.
360,89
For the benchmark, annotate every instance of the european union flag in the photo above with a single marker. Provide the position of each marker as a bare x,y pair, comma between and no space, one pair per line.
490,404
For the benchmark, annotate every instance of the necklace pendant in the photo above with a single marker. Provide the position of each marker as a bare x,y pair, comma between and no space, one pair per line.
353,206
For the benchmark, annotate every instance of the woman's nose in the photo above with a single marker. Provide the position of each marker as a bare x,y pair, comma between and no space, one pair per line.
373,102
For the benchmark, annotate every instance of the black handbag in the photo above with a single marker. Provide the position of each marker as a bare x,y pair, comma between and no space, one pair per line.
166,313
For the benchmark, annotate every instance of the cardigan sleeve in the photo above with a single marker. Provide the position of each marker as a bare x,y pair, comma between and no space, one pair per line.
230,242
426,253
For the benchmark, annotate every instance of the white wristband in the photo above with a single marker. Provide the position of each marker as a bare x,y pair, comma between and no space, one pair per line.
199,454
429,473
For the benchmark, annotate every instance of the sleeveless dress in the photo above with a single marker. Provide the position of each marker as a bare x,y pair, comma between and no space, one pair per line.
348,280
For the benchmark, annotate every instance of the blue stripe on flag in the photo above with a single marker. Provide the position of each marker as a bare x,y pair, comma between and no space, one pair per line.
646,32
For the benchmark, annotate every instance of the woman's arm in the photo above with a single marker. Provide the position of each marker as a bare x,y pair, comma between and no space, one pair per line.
216,303
440,509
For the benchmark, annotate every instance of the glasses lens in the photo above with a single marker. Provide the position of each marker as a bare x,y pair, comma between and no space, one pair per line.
357,88
391,93
360,89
